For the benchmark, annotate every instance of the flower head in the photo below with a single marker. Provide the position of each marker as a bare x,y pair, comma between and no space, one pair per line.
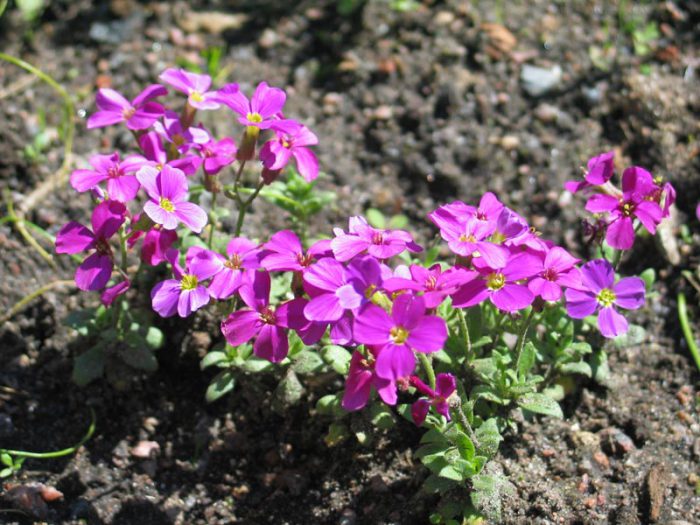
445,386
362,237
261,110
95,271
600,170
194,85
122,185
362,377
557,270
292,141
217,154
138,114
598,292
241,254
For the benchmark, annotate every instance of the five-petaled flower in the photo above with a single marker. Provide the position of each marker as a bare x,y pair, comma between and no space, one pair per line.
138,114
121,182
194,85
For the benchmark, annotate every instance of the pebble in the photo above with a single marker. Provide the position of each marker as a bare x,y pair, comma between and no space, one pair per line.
615,441
601,459
7,427
145,449
268,39
538,80
585,440
444,18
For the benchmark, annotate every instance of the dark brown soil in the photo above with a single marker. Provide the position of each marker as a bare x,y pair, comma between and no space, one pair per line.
413,109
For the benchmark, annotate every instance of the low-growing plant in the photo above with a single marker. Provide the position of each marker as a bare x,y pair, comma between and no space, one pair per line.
493,321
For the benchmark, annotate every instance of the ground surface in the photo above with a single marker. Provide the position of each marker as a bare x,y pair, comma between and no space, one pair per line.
413,109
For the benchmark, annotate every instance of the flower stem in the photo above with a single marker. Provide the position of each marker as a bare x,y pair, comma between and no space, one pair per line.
521,335
687,332
428,367
212,219
244,207
462,417
464,327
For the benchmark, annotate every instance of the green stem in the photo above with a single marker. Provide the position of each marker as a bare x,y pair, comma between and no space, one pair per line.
685,327
24,301
428,367
57,453
212,219
244,207
462,417
521,335
122,248
464,327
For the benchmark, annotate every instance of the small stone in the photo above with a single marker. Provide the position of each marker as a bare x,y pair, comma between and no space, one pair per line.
377,484
443,18
240,492
539,80
145,449
591,502
549,452
655,486
601,459
696,448
585,440
510,142
268,39
383,113
615,441
212,22
7,427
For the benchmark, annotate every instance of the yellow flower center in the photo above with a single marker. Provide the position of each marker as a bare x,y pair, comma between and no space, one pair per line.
495,281
267,315
398,335
128,113
606,297
234,263
467,238
497,237
188,282
254,117
627,208
196,96
167,204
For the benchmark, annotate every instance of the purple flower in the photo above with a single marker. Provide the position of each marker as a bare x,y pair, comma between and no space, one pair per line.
500,284
406,330
697,211
194,85
111,293
600,170
138,114
260,111
156,242
186,293
433,282
95,271
445,385
469,239
327,282
293,140
122,185
184,138
285,252
243,254
168,204
361,237
217,154
599,293
637,185
268,323
557,270
362,377
156,156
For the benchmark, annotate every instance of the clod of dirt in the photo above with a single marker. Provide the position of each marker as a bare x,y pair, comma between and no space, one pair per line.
145,449
655,484
32,498
615,442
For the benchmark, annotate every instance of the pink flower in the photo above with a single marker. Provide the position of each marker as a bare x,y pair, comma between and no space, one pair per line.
217,154
557,270
186,293
445,385
500,285
293,141
398,335
361,237
600,170
362,377
111,293
156,242
122,185
138,114
469,239
637,185
156,156
183,138
243,254
95,271
433,282
261,319
284,252
194,85
168,204
599,293
260,111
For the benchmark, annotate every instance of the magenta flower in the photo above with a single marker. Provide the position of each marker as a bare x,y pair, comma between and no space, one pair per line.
217,154
156,242
469,239
122,185
557,270
156,156
434,284
284,252
293,141
361,378
95,271
600,170
331,290
168,204
599,293
500,285
637,185
243,254
183,138
697,211
194,85
186,293
261,110
445,385
111,293
361,237
268,323
138,114
398,335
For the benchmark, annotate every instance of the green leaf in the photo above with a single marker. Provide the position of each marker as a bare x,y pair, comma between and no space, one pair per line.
215,358
398,222
6,459
453,472
137,354
599,367
527,358
222,384
31,9
255,365
6,472
154,338
88,366
337,357
489,437
330,405
581,348
288,391
579,367
81,320
541,404
436,485
382,417
307,362
635,335
649,278
337,433
375,218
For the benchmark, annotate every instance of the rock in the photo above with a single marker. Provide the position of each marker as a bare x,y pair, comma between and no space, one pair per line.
444,18
348,517
614,441
601,459
584,440
117,31
654,487
145,449
500,41
268,39
538,80
212,22
7,427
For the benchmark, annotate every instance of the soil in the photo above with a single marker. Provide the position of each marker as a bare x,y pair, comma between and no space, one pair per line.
414,108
